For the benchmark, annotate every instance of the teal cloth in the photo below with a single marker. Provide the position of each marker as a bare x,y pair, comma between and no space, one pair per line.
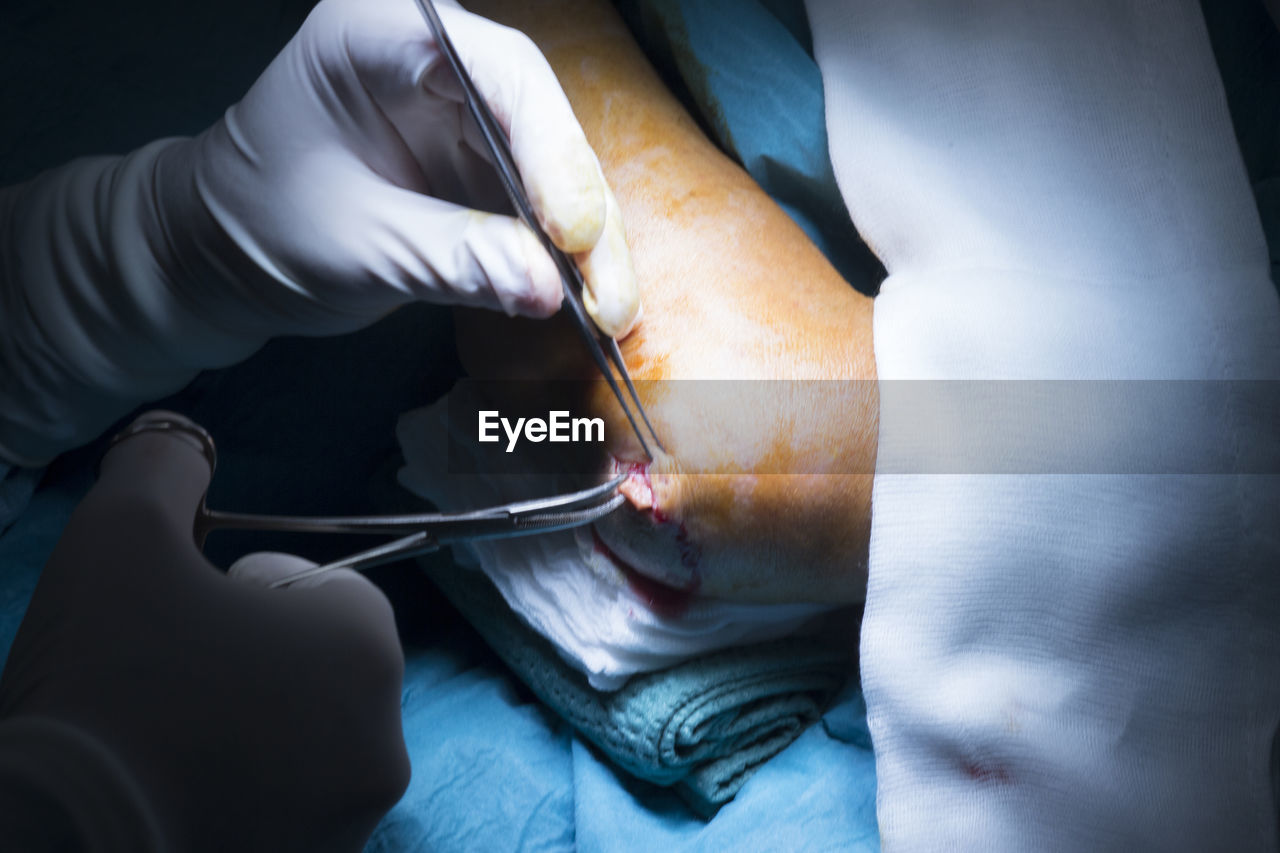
703,726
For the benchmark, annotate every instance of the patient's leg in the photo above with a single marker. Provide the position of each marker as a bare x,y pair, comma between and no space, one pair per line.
732,290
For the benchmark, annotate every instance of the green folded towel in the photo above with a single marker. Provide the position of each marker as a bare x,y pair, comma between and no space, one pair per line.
703,726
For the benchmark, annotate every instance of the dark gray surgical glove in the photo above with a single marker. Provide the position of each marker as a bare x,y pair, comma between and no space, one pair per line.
152,702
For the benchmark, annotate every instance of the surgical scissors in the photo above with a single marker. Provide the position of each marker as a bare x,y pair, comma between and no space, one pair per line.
604,349
419,533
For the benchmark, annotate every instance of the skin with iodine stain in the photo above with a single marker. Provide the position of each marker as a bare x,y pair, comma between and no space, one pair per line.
732,289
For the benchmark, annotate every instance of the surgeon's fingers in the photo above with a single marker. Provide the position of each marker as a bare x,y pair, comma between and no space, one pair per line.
473,258
557,166
341,600
269,568
612,296
139,517
348,627
161,463
352,592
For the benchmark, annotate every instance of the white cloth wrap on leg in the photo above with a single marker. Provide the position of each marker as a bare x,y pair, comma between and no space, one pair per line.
560,584
1061,661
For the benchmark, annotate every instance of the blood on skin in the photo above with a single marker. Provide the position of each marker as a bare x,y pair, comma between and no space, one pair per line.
666,601
639,490
690,551
986,773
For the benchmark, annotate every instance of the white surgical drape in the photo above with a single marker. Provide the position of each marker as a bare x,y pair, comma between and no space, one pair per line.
1066,660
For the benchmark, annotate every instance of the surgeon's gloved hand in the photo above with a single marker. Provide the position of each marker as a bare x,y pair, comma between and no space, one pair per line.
344,184
150,701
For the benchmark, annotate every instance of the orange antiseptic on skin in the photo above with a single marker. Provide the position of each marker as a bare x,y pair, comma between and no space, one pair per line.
732,290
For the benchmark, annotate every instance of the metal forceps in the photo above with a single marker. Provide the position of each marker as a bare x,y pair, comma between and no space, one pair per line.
603,348
417,534
428,532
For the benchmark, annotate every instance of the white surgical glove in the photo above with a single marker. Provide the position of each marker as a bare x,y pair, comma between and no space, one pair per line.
341,187
1086,659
